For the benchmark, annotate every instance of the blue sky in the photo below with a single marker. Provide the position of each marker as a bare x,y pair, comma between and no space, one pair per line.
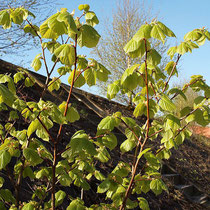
181,16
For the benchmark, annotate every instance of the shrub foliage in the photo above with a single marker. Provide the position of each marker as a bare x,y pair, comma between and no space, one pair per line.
60,35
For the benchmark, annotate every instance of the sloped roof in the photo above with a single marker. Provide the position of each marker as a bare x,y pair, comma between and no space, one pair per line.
92,109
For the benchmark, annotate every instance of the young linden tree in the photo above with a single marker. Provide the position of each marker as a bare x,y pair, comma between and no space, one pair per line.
34,153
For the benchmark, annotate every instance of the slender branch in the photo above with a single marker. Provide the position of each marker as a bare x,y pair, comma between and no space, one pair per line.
172,71
71,87
189,114
54,81
43,125
9,130
81,73
188,85
55,155
56,61
35,31
20,177
154,91
137,138
130,186
156,133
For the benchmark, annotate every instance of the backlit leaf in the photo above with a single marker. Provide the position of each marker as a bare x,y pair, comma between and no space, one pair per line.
113,89
88,37
158,33
5,158
66,54
67,18
59,197
36,63
32,156
166,104
143,204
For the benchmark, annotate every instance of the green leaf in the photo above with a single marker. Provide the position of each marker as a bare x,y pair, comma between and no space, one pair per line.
46,32
136,48
6,95
113,89
51,46
139,110
44,172
66,54
182,48
28,172
1,181
65,180
143,152
108,123
172,122
143,204
34,125
2,206
129,71
158,33
197,116
18,76
67,18
110,141
63,70
29,206
88,37
31,29
172,51
177,91
72,115
104,186
80,142
29,81
143,32
127,145
84,7
99,176
32,156
5,158
56,26
90,77
169,67
76,205
157,186
186,110
7,196
166,104
5,19
194,35
54,84
102,155
168,134
152,160
131,82
59,197
101,72
91,18
80,80
154,57
199,101
129,121
122,169
17,15
36,63
166,30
